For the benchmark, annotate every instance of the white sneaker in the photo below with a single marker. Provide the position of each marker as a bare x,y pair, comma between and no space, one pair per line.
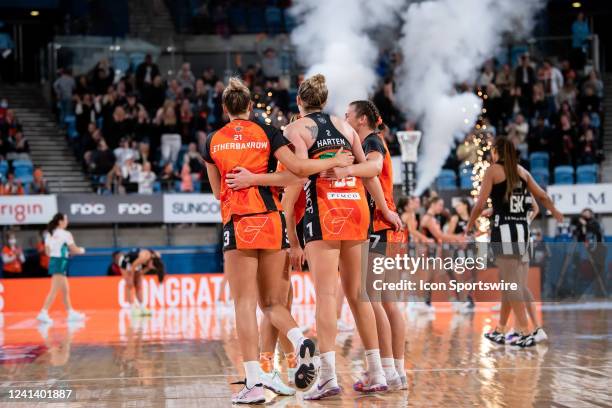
371,383
246,395
539,335
323,389
74,315
306,371
345,327
273,382
43,316
395,383
291,375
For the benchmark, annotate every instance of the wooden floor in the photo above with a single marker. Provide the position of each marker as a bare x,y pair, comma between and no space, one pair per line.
188,357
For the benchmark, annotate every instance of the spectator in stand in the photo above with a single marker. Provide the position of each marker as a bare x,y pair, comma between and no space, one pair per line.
90,142
170,136
174,91
216,116
43,258
517,133
553,82
270,61
168,177
566,109
186,179
384,99
589,102
153,96
185,78
525,77
10,125
588,152
12,258
493,104
580,32
39,184
12,186
504,80
147,179
539,105
82,86
487,75
87,110
114,269
102,159
586,228
20,149
130,175
118,127
102,76
64,87
131,108
145,73
564,143
568,93
586,124
540,137
595,82
5,149
124,152
194,160
210,77
186,121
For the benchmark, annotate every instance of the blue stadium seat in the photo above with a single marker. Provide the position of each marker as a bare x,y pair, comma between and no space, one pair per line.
157,187
538,160
257,18
274,19
289,21
26,179
564,175
121,62
70,120
238,19
3,168
586,174
20,164
465,176
541,176
447,180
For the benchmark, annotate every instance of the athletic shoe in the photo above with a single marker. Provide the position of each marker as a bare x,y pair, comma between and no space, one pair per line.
273,382
523,341
345,327
43,316
404,382
513,335
496,337
291,375
246,395
395,383
74,315
539,335
323,389
306,370
367,385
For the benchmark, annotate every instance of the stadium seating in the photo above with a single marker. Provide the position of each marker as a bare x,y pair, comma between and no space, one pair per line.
465,176
539,160
447,180
257,18
564,175
586,174
541,176
238,19
274,19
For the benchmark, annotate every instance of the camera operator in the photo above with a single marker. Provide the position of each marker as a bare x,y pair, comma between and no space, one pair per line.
586,228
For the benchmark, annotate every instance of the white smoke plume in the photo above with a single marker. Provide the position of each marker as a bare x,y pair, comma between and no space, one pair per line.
332,39
443,43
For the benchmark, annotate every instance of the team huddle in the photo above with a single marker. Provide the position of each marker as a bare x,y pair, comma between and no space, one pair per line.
332,177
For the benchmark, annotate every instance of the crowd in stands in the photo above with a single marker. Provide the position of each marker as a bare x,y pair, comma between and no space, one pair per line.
144,133
18,175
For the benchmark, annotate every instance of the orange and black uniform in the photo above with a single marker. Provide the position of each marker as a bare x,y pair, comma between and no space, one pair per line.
252,217
335,209
381,231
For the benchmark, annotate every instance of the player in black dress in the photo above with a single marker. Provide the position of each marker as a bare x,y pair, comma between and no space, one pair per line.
508,185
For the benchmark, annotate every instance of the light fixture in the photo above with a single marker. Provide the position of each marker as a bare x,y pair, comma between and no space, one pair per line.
34,13
576,4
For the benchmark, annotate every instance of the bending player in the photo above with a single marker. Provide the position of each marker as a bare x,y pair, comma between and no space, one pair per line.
134,265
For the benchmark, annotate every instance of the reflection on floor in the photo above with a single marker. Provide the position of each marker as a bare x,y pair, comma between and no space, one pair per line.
188,357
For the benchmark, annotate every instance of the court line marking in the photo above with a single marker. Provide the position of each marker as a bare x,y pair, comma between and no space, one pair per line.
161,377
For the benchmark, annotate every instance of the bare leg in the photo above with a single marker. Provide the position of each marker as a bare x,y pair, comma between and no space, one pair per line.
55,287
65,292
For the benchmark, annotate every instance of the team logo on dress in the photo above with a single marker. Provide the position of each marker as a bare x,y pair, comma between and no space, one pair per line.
248,228
335,219
322,120
238,129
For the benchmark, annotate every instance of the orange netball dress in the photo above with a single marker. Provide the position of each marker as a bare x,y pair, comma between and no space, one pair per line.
252,217
381,231
335,209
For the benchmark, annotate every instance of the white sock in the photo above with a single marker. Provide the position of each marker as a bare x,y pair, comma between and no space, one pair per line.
328,365
399,366
388,366
295,335
373,361
251,370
